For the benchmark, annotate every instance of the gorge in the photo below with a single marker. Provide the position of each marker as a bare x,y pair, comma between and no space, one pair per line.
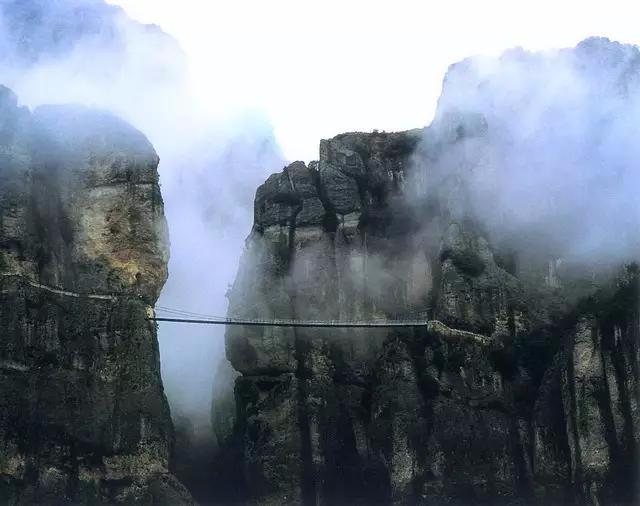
509,224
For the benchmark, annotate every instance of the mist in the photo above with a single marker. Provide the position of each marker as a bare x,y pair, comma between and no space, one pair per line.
91,53
541,149
538,147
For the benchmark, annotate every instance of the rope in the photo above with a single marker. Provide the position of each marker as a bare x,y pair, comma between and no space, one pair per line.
297,323
433,326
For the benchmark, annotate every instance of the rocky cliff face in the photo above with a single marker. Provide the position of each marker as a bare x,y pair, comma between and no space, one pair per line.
83,256
522,389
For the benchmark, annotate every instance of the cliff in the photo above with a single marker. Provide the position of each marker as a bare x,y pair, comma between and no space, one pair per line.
83,257
523,388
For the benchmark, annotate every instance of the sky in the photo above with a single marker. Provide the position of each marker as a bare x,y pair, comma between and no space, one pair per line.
316,69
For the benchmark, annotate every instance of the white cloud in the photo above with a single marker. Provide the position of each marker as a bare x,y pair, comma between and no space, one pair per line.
320,68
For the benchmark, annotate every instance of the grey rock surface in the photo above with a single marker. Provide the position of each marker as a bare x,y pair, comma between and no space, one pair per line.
83,257
522,389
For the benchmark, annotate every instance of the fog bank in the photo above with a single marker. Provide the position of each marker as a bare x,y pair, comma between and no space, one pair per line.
541,148
88,52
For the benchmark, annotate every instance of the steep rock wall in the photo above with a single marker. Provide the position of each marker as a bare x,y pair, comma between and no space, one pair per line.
523,387
368,415
83,256
519,391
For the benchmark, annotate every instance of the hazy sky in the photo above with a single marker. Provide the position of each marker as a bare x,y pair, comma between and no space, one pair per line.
318,68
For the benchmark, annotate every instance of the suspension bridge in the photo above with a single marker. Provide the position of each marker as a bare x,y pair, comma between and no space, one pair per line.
173,315
295,323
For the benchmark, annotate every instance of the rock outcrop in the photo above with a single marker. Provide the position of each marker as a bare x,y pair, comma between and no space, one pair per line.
586,422
523,388
367,415
472,410
83,256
